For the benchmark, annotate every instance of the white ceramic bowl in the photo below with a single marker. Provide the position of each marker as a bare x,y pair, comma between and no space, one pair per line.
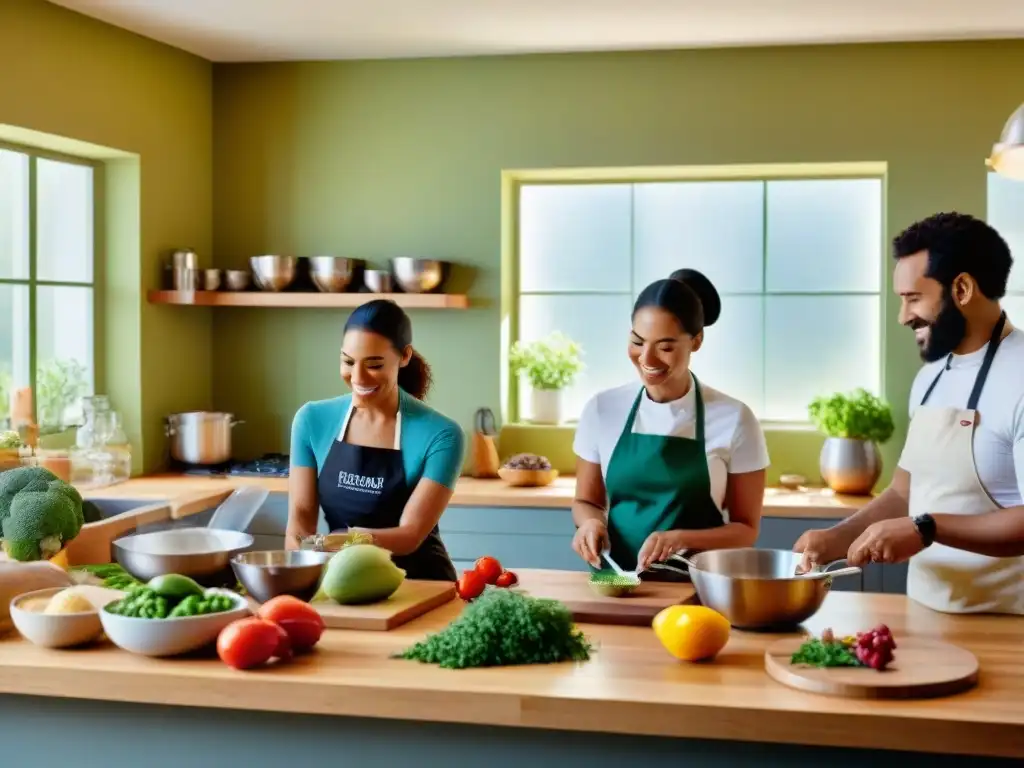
63,630
172,636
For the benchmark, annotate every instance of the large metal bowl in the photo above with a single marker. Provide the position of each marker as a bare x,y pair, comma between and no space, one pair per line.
201,553
332,274
276,572
758,588
273,273
419,275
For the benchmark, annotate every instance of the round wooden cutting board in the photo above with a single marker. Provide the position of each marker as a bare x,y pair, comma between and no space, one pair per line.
921,668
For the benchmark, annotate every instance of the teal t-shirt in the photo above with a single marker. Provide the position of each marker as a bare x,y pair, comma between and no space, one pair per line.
432,445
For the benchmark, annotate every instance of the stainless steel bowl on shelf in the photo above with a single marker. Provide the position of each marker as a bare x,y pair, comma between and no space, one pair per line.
419,275
332,274
377,281
203,554
267,574
273,273
759,588
237,279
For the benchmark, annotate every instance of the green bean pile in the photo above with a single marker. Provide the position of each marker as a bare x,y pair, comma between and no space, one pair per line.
144,603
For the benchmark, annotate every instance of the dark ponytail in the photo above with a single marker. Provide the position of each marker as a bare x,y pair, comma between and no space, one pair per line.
387,319
688,295
415,377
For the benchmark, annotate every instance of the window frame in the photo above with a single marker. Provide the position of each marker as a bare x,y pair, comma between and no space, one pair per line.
513,180
33,283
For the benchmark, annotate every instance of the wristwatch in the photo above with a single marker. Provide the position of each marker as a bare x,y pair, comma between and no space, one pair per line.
925,525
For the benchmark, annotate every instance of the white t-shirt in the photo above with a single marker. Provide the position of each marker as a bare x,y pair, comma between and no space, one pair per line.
999,436
733,438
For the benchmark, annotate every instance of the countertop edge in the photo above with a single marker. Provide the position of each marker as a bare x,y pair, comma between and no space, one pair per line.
189,494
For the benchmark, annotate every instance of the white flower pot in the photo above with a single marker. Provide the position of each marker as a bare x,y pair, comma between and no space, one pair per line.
546,406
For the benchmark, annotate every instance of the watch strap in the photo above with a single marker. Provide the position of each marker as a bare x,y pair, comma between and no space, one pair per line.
925,525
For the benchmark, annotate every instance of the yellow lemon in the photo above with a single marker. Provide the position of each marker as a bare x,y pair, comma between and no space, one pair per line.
691,632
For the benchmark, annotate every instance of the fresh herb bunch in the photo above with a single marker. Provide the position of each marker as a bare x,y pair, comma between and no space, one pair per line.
504,628
819,653
551,363
859,415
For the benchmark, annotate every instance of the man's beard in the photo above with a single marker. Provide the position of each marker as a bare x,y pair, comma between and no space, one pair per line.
947,331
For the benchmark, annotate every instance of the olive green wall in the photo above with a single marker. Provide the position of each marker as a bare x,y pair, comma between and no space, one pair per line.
145,110
373,159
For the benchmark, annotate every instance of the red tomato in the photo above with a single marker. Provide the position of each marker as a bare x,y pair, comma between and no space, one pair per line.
249,642
470,585
507,579
489,568
300,620
284,644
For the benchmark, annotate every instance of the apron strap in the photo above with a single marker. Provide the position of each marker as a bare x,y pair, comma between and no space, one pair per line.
979,382
398,426
699,412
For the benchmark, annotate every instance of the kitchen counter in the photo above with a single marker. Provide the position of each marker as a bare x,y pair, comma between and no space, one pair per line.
628,697
196,493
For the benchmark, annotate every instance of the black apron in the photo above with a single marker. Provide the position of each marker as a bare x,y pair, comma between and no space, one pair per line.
364,487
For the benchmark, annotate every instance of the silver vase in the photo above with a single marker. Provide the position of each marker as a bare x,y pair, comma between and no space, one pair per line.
850,466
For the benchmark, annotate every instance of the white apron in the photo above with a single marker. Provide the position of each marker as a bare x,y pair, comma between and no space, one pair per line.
939,455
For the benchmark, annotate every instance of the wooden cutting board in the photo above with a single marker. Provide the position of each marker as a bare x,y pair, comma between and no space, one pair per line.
637,609
412,599
921,668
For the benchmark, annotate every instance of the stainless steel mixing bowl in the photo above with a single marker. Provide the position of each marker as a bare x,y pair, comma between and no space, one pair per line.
276,572
419,275
377,280
237,279
332,274
273,273
759,588
201,553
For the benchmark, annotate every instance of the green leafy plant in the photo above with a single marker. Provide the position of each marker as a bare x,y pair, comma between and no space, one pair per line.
858,415
59,385
550,363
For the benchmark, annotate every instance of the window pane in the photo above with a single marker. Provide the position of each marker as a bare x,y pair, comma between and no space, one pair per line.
599,324
13,344
64,352
732,358
824,235
1006,214
575,237
817,345
13,215
64,219
716,227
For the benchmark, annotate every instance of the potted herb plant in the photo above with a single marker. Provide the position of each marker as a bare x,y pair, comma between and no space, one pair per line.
550,365
854,425
59,385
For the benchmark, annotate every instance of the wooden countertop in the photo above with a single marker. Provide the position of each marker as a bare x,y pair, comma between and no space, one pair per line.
631,685
192,494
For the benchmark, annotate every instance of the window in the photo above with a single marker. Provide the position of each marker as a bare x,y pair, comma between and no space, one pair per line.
798,261
47,283
1006,214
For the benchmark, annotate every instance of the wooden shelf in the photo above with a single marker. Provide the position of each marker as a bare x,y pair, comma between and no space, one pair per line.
306,300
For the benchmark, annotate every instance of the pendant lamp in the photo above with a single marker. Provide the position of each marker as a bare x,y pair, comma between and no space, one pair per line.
1008,154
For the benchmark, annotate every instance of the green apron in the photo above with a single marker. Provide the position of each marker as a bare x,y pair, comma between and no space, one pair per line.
657,483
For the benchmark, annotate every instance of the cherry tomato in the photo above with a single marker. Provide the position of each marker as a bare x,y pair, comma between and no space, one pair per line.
470,585
300,620
489,568
507,579
249,642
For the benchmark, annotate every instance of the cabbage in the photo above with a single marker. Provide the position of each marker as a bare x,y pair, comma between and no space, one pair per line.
361,573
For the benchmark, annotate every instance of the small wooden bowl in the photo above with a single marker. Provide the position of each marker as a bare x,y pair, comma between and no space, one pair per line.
528,478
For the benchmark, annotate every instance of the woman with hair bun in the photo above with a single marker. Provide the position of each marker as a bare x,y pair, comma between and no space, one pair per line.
379,460
670,465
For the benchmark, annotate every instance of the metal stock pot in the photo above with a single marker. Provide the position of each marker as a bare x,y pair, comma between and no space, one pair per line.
200,437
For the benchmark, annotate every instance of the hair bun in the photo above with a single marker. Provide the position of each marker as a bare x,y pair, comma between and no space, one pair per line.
710,301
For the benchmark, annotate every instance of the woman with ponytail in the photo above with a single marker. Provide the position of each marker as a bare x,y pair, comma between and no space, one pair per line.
667,464
379,460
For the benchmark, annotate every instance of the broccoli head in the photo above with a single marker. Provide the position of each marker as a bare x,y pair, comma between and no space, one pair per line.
39,513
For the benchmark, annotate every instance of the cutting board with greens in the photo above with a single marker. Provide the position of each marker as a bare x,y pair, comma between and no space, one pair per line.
872,665
411,600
